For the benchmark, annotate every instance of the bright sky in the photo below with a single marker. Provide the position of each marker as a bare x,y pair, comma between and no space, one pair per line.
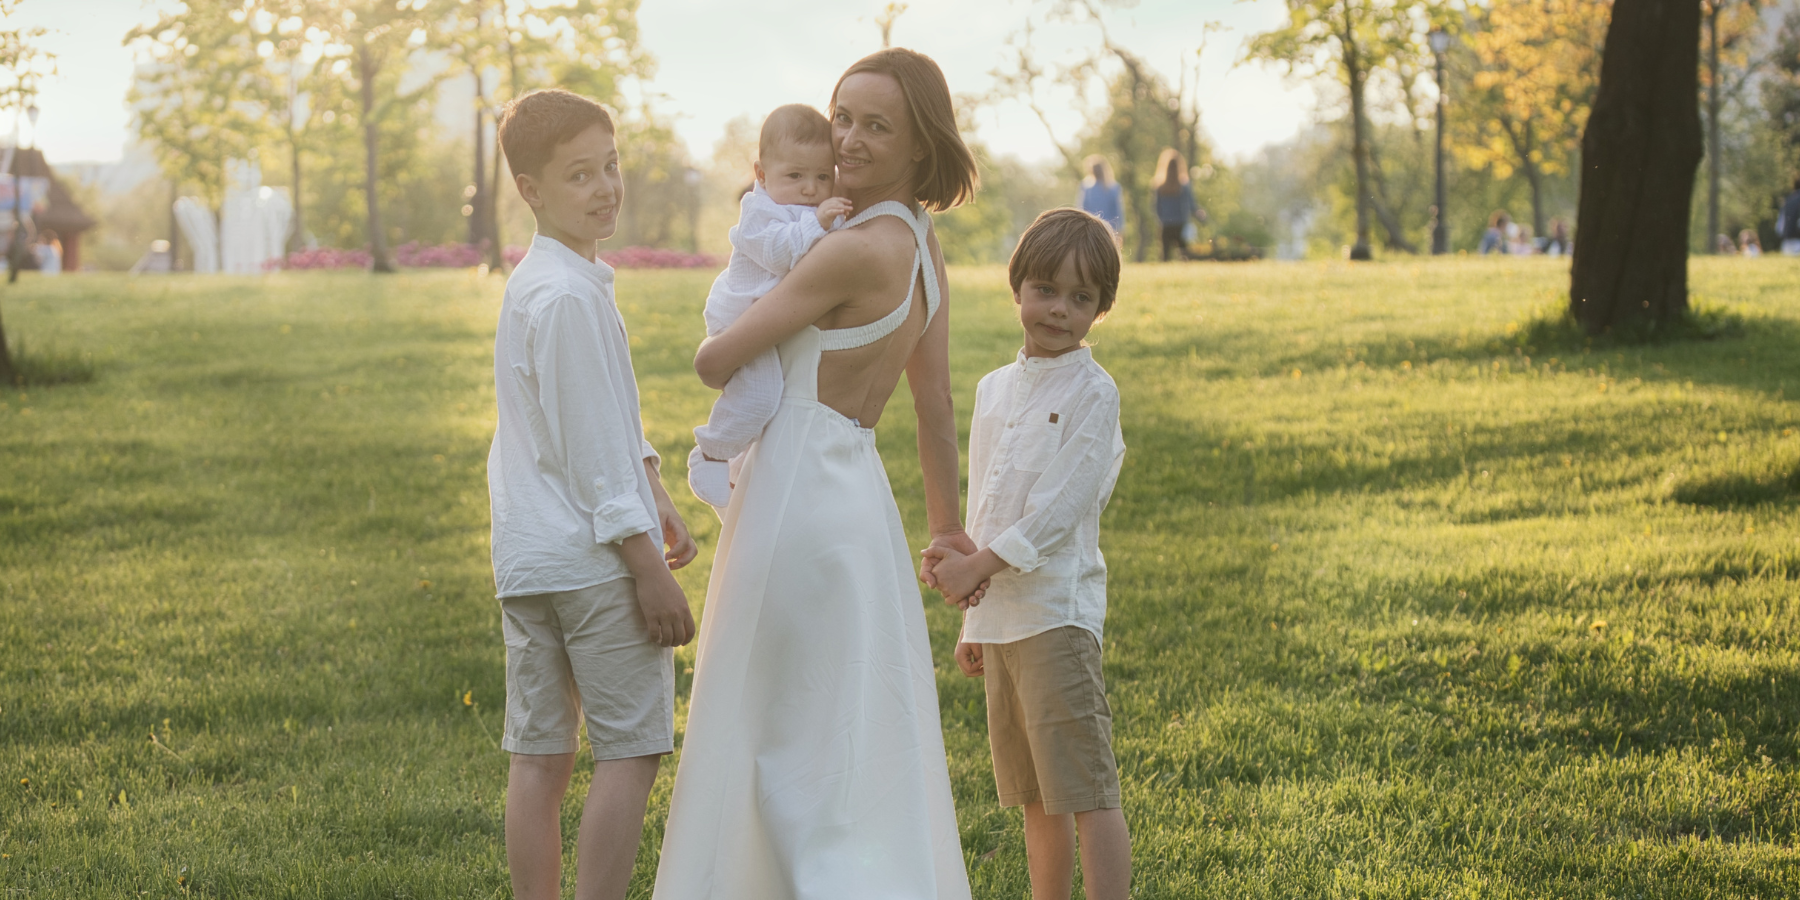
718,59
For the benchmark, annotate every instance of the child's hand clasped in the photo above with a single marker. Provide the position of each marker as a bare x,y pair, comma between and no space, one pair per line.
956,571
831,208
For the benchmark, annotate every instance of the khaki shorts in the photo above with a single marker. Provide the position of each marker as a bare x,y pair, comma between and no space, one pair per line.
1049,724
586,653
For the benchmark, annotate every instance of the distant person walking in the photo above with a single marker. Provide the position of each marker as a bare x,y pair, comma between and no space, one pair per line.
1787,227
1493,240
1174,202
1102,195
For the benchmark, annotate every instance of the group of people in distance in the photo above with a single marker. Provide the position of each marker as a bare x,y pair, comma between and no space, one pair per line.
1505,236
1171,191
813,761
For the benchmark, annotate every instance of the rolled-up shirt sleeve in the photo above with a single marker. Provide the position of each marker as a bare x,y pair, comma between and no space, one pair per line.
591,445
1076,478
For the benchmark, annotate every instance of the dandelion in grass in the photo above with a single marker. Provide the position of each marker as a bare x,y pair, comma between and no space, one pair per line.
468,698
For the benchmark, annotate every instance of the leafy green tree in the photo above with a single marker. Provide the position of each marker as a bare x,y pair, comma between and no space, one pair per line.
1535,66
193,103
23,66
1354,40
369,42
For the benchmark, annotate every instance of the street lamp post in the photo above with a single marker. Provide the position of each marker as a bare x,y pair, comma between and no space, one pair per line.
1440,234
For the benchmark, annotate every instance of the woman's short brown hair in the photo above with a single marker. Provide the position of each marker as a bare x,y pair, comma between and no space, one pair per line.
1059,234
533,125
947,175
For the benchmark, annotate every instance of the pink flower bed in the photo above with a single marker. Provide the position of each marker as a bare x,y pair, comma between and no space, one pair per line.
322,258
638,258
442,256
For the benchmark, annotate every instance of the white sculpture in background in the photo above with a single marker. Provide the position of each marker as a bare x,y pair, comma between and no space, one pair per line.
200,233
254,229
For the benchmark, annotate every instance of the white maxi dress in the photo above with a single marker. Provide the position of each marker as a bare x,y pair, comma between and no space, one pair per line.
813,764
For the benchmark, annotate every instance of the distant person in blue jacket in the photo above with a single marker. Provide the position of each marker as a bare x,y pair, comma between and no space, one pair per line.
1174,203
1102,195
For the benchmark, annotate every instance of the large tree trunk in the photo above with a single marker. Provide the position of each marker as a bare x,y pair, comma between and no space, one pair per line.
476,200
1384,212
1359,139
496,252
1713,155
1639,155
6,366
296,237
371,146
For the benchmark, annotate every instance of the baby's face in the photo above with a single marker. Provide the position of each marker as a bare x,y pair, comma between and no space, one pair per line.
798,174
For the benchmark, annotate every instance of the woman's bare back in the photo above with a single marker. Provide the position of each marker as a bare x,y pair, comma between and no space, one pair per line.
858,382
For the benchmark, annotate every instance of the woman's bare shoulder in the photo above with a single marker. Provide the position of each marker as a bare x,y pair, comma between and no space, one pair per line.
861,252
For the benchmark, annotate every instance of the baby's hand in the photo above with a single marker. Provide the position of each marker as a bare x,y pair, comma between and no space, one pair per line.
830,210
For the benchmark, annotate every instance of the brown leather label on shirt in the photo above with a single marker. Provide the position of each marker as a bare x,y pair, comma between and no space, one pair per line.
1053,418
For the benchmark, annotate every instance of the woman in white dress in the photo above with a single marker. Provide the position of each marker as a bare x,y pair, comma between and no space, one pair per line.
813,763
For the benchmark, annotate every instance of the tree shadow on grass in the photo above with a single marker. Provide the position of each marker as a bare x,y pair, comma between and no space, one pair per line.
1759,355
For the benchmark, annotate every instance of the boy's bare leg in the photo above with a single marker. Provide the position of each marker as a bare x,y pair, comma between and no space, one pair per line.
534,791
1049,853
612,823
1105,853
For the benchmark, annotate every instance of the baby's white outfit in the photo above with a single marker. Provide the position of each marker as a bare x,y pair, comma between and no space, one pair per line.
766,243
1044,453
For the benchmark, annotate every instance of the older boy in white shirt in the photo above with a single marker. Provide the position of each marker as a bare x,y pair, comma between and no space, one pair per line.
782,216
1044,452
589,609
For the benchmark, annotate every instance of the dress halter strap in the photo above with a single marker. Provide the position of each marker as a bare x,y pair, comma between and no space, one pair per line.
863,335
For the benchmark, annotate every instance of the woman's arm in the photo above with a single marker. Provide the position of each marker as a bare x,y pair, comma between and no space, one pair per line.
823,281
928,375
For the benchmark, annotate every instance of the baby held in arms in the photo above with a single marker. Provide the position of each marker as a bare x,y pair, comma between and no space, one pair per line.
790,207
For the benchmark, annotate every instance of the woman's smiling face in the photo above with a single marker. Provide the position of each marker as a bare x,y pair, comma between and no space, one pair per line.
871,127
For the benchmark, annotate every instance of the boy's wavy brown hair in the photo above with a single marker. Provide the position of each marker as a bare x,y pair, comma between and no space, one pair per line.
533,125
947,174
1059,234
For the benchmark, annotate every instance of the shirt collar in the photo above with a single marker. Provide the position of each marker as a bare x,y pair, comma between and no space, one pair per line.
600,272
1040,363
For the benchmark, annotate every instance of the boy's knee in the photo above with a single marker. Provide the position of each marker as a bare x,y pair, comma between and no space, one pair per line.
543,764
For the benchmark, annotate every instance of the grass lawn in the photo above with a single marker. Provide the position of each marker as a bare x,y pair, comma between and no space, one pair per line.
1401,606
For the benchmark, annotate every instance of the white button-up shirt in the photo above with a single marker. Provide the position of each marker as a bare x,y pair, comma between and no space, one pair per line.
566,477
1044,453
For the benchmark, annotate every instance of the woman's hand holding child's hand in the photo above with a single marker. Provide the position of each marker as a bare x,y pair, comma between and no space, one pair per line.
959,571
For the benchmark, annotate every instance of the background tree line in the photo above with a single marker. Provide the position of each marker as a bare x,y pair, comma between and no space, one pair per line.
335,99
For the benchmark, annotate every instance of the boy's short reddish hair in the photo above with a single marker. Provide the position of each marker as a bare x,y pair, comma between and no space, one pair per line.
533,125
1055,236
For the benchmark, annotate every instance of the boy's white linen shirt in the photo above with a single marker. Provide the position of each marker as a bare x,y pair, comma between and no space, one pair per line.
566,478
1044,453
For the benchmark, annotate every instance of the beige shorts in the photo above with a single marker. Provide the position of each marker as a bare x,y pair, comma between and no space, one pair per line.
1049,723
586,654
